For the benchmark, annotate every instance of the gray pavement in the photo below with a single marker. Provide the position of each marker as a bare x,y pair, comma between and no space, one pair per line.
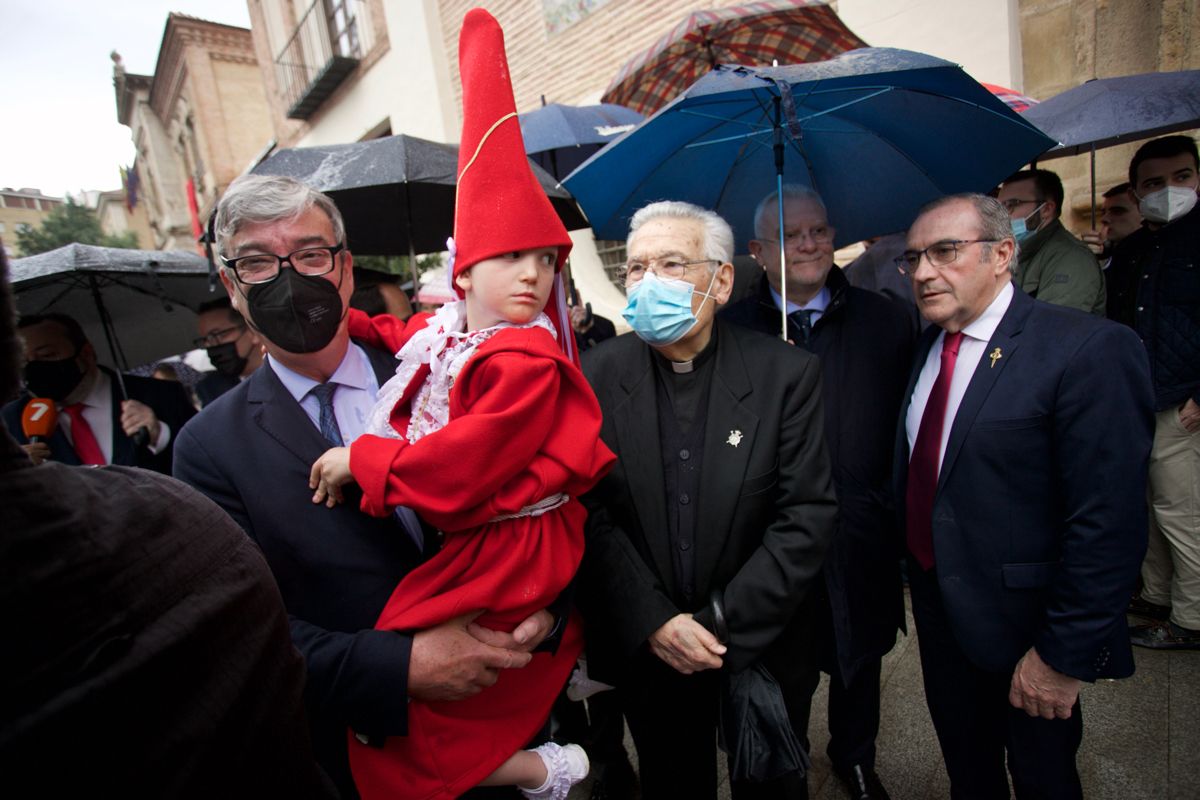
1141,737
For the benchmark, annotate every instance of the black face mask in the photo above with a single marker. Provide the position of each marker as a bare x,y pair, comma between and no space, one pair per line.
53,379
225,359
297,312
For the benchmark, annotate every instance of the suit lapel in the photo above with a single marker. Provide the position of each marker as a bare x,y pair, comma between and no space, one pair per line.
729,438
275,411
985,377
635,423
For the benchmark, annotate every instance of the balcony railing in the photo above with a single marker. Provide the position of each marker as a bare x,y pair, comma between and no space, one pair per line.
326,46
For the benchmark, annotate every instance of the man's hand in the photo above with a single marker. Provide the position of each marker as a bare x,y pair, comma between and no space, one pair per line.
38,452
329,474
1094,241
135,415
686,645
448,663
1040,691
1189,415
525,637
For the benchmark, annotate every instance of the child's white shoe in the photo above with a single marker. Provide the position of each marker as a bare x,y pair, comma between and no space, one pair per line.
565,766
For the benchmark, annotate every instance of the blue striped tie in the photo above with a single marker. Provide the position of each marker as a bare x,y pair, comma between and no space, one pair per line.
328,420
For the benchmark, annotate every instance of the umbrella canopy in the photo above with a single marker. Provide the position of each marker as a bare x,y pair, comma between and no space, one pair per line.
1108,111
559,138
878,132
396,194
753,34
1011,97
141,304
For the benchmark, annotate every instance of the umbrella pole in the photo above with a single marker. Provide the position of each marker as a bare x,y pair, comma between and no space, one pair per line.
779,207
141,436
412,253
1093,186
110,336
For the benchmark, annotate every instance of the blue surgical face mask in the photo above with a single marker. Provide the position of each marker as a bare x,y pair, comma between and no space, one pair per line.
660,309
1020,228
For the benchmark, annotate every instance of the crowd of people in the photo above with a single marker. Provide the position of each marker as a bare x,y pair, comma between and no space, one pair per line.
400,553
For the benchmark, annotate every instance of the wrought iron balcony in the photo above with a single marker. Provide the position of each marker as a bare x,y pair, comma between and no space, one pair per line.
324,49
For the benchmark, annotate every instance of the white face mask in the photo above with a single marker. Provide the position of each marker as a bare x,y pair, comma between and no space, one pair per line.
1167,204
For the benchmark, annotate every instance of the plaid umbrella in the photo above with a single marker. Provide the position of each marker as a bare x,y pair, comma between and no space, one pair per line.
753,34
1011,97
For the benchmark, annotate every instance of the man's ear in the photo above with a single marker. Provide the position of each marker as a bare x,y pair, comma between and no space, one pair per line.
1004,252
88,354
756,251
723,285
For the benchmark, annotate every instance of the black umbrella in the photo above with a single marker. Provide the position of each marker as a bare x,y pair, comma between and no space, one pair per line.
141,303
1109,111
559,138
396,194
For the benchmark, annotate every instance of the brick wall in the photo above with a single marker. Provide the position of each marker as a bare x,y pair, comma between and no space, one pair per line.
575,65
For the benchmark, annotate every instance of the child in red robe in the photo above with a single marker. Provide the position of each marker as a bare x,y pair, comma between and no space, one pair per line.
489,432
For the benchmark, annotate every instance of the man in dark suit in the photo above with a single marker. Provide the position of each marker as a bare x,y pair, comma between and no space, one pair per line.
714,522
251,451
1021,471
233,348
101,420
865,345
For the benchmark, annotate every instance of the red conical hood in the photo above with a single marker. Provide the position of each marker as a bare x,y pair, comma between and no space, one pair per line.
500,206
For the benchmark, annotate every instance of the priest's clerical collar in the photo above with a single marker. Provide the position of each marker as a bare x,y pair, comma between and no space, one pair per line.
684,367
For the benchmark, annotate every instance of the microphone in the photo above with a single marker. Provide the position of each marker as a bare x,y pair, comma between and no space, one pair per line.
39,419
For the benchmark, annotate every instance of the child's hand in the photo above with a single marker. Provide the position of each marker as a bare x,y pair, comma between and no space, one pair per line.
329,474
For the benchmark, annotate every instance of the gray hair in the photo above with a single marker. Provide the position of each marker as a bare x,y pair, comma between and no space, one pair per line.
994,221
718,236
269,198
791,191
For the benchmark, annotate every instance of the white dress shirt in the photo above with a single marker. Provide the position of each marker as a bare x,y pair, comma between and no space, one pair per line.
98,414
818,303
970,350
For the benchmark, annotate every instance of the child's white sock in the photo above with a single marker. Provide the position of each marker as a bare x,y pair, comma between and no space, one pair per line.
565,767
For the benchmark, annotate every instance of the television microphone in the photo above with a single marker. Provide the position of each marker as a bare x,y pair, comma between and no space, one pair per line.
39,419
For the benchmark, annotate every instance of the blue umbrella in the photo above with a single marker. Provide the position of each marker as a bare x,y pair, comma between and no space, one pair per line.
878,132
559,138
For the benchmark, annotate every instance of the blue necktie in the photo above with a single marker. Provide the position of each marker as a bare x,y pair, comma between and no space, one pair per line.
328,420
802,319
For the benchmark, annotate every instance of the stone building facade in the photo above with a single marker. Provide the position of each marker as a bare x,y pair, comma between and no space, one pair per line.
197,123
21,208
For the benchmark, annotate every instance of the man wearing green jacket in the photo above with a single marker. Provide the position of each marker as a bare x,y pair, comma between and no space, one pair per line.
1054,266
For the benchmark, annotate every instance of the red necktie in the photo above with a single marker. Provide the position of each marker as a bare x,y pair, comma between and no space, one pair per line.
923,465
86,446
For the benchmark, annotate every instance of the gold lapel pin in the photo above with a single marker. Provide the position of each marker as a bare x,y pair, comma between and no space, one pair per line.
995,356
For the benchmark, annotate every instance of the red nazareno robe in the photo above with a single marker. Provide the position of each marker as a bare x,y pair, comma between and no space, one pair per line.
524,425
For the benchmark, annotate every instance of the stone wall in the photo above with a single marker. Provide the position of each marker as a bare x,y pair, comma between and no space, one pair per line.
1067,42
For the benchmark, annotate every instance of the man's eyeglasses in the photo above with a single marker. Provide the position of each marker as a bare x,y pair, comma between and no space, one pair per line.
264,267
634,271
1013,203
819,235
214,338
940,254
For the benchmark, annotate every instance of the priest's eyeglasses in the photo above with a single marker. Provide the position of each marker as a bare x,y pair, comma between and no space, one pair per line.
264,267
940,254
634,271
